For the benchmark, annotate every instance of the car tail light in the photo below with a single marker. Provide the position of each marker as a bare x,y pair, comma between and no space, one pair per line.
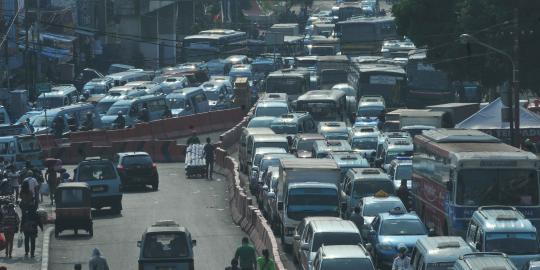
154,165
120,167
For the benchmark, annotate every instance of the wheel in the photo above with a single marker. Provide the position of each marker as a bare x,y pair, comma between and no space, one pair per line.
56,233
117,208
154,187
91,231
75,231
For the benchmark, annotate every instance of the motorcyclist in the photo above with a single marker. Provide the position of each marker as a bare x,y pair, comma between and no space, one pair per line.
72,123
88,123
120,121
167,113
145,114
58,126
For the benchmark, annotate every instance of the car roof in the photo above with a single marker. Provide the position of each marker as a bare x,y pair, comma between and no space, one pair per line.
267,150
310,136
377,199
398,216
502,219
94,160
484,261
271,103
269,137
345,226
344,251
369,174
309,163
166,226
74,185
442,248
124,154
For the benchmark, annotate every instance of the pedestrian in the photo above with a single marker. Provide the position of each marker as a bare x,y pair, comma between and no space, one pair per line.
58,126
357,219
27,199
29,226
246,255
264,262
120,121
10,225
88,123
193,139
33,185
77,266
209,157
145,114
14,178
97,262
402,261
52,180
234,265
64,176
403,193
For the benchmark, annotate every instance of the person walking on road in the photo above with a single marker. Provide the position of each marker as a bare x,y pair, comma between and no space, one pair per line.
193,139
234,265
357,219
264,262
246,254
33,185
13,177
27,199
29,226
10,225
209,157
403,193
52,181
97,262
402,261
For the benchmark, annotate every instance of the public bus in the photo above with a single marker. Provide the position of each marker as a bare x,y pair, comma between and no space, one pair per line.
214,43
289,81
384,80
457,170
324,105
365,35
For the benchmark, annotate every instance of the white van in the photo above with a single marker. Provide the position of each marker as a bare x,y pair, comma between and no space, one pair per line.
131,75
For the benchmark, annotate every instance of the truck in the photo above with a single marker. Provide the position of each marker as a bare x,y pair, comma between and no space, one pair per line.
287,29
437,119
457,170
458,111
307,187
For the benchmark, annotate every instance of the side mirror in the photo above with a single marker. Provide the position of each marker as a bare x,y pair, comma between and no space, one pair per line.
305,246
139,243
280,206
193,242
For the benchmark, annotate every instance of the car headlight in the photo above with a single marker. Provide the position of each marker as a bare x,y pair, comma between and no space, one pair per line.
385,247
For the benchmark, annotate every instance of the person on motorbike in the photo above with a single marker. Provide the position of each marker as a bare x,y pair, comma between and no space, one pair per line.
120,121
88,123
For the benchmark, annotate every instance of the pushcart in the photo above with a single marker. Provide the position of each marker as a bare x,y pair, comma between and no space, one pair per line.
195,163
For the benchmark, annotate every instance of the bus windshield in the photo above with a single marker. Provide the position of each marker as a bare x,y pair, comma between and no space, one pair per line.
304,202
512,243
516,187
290,86
366,143
366,188
320,110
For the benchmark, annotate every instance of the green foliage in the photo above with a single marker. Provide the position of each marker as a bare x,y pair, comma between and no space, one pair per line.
438,24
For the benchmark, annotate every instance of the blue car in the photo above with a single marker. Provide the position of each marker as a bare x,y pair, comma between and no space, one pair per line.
392,229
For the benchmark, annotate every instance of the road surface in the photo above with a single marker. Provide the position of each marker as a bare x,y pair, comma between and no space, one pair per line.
197,204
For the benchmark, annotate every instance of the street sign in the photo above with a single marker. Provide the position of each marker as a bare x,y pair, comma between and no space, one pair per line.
43,87
274,38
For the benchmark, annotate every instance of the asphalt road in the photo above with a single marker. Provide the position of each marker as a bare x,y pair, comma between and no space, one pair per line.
197,204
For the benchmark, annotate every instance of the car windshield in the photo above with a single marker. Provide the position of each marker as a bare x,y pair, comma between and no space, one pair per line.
336,136
404,172
290,86
365,188
165,245
176,103
374,209
50,102
368,143
71,197
402,227
41,121
303,202
347,264
96,171
256,123
113,110
512,243
305,145
212,95
265,163
320,110
517,187
137,160
285,129
335,238
370,111
271,111
29,144
103,107
391,155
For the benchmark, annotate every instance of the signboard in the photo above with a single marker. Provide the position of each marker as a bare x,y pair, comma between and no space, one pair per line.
43,87
274,38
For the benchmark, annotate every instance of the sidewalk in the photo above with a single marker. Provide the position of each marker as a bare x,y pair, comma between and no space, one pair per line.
19,262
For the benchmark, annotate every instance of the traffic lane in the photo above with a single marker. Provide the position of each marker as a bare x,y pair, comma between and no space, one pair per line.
198,204
214,137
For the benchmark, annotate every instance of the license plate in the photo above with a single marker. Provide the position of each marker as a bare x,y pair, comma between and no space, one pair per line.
98,189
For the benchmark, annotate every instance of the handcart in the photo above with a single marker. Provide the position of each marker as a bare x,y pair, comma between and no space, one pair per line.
195,163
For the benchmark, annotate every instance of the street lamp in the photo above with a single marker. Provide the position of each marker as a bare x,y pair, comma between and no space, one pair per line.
465,39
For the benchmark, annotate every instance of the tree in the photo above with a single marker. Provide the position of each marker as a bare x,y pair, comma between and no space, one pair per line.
438,24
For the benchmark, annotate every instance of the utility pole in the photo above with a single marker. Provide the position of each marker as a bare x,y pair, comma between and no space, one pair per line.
38,40
5,27
25,54
515,76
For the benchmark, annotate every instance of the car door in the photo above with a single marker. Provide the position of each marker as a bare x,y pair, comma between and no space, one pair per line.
307,238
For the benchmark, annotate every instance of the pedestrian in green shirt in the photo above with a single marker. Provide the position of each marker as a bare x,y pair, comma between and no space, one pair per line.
193,139
264,262
246,255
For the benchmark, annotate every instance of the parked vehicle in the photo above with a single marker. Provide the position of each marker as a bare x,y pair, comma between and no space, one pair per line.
342,257
323,148
188,101
131,109
303,144
21,148
299,232
483,260
372,206
43,123
60,95
293,123
136,169
271,108
246,143
73,208
334,130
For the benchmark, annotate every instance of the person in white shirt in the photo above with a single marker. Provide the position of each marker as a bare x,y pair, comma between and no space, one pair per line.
402,261
32,183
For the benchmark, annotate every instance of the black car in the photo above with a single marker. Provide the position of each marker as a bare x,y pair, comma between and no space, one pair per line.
137,169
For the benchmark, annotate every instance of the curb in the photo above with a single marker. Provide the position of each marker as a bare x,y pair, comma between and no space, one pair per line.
45,249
